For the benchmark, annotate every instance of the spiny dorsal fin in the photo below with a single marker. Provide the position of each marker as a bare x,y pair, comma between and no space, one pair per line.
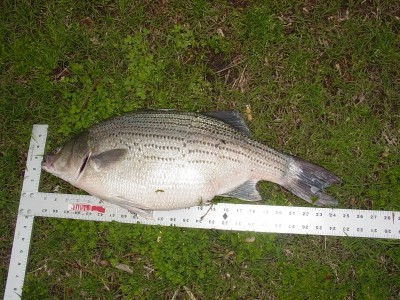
232,118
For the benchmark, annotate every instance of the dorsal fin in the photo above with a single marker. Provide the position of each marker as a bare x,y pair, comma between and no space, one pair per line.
232,118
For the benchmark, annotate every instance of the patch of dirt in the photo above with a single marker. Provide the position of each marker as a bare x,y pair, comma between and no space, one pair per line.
220,67
86,22
217,61
240,3
60,72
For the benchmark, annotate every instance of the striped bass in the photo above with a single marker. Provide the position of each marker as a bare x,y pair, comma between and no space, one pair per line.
164,159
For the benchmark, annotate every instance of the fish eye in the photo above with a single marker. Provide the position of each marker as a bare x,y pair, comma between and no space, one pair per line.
58,149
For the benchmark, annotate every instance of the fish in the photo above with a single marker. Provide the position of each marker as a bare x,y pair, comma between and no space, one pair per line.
150,160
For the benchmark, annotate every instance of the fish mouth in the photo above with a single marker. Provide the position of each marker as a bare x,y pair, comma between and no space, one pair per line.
47,163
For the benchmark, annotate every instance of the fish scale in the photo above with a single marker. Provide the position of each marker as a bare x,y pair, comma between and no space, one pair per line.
161,160
152,152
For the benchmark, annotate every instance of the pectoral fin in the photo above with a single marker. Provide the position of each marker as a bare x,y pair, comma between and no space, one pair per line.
247,192
105,159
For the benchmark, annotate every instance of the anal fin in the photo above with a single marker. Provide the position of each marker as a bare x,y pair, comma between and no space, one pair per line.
247,192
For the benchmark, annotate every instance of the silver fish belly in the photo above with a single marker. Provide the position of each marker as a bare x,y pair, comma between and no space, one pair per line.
162,160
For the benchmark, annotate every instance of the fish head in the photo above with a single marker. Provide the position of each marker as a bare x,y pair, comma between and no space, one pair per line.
68,161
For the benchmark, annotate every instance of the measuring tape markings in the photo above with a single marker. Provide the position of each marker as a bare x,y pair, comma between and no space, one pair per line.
34,159
24,224
19,257
225,216
241,217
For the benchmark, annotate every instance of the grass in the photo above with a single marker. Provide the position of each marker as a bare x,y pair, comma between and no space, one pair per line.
322,80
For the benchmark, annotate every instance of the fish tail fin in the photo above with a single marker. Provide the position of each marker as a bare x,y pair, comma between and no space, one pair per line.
308,181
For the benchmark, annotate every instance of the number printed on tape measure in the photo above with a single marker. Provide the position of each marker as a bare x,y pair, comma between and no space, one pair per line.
242,217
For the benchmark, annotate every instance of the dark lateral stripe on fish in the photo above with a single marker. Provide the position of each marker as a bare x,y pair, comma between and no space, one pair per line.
206,123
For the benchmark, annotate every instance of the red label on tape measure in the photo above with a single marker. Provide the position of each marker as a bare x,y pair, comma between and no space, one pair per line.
86,207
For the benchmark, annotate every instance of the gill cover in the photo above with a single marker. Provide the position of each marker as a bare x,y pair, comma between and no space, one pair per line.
69,161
